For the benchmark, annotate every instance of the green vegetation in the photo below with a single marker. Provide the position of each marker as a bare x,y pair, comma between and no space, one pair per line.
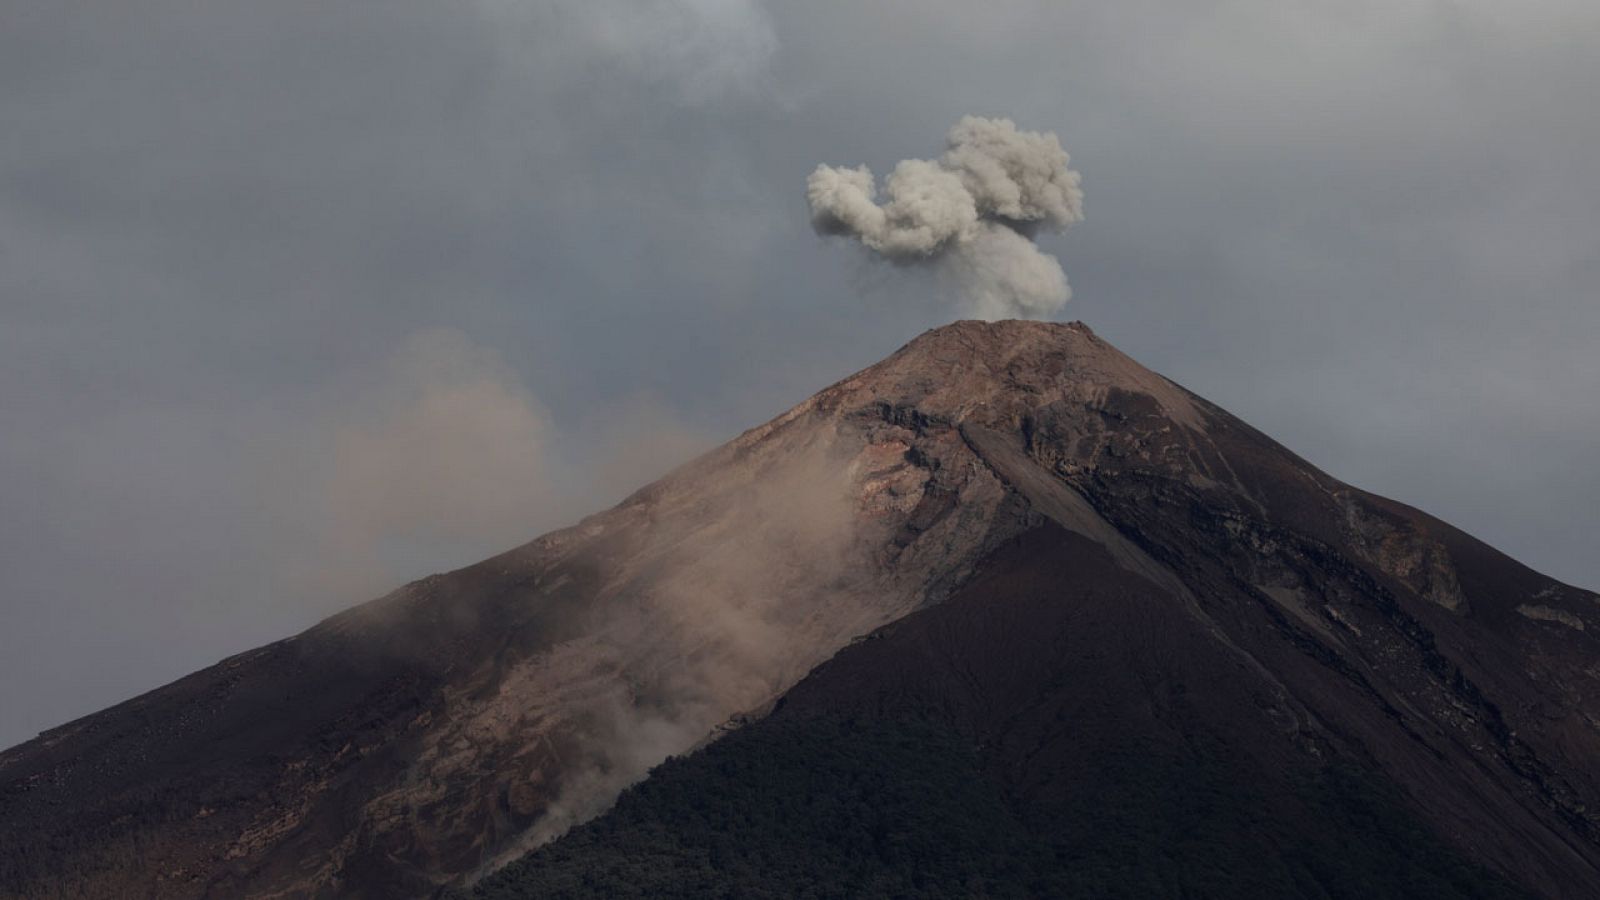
824,808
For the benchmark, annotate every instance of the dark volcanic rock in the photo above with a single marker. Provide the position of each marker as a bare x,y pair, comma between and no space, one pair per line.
1052,730
1210,584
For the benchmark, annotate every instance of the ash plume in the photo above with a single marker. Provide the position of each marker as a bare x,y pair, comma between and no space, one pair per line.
972,212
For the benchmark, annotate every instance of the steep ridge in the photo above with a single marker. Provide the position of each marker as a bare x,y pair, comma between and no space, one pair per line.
423,739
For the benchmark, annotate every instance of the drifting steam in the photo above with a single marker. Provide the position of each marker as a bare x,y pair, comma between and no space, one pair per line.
972,212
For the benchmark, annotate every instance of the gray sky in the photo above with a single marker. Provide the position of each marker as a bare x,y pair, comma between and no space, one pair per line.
256,258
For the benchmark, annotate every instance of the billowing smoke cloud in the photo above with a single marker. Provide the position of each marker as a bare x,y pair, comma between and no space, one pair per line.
446,455
972,212
439,455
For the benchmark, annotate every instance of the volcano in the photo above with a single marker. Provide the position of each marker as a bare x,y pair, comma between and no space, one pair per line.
1006,614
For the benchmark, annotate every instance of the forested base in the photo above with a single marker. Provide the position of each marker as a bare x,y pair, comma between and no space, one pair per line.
839,808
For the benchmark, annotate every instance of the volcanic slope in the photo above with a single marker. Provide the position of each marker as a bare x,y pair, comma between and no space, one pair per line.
1204,669
1178,582
1052,730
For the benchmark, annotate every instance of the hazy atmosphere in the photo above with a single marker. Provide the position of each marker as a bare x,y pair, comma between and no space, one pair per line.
299,301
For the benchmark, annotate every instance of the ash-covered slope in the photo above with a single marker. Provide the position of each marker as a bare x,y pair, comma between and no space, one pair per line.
422,739
1051,730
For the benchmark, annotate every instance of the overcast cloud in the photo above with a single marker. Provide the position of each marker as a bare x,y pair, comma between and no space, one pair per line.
241,241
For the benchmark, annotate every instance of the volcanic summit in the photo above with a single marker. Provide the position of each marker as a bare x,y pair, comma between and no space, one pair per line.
1006,614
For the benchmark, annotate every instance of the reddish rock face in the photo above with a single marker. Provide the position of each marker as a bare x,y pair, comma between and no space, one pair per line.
421,739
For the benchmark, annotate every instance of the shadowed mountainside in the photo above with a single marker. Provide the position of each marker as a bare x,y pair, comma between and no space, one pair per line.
1236,597
1052,730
